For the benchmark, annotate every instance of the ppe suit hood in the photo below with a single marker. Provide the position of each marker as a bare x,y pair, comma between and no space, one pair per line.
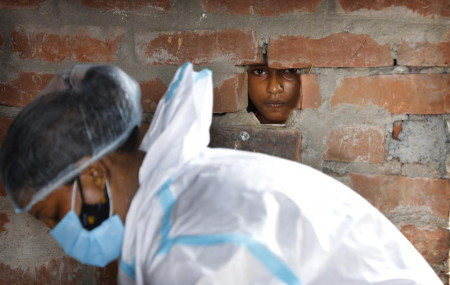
180,126
179,132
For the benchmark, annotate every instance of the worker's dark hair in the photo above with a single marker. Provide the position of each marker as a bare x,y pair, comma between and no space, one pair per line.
57,130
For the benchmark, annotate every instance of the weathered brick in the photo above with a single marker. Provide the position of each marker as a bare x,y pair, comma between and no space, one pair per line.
397,129
281,142
3,221
151,92
86,44
62,270
2,190
2,40
199,47
423,53
432,244
422,7
261,8
356,143
391,194
4,125
22,4
399,94
23,89
107,274
311,97
142,131
349,50
231,95
126,5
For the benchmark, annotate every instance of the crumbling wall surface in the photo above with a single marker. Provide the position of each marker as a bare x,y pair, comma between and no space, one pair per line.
375,86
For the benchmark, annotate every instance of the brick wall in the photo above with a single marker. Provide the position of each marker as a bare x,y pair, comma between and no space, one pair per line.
375,96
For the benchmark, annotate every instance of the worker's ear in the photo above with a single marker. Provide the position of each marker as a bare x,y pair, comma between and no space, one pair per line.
93,181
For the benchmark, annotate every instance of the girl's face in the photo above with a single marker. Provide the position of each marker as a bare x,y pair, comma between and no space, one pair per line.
274,92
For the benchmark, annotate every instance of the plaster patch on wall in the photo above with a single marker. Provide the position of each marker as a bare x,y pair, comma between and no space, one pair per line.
420,141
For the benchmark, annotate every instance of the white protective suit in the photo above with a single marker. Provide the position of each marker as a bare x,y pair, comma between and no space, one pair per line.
220,216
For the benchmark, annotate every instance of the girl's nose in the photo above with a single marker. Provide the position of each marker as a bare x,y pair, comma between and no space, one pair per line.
275,85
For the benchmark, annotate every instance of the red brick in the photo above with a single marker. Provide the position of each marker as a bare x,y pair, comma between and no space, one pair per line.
356,143
348,50
2,190
399,94
107,274
281,142
422,7
4,125
56,271
142,131
2,40
66,43
423,53
311,97
231,95
126,5
23,89
3,221
20,4
432,244
261,8
391,194
397,129
200,47
151,92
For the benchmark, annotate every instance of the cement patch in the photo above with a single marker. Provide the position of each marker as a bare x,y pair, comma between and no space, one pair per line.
420,141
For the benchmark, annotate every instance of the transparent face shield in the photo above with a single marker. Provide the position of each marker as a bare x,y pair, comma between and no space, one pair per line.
107,119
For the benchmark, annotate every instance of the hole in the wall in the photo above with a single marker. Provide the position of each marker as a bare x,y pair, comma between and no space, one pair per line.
278,87
395,62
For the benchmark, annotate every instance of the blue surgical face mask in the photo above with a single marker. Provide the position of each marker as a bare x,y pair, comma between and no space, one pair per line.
98,246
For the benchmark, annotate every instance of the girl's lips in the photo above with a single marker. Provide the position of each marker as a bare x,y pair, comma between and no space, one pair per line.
275,104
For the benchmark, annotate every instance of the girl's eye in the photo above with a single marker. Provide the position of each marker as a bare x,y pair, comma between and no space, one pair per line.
291,74
259,72
291,70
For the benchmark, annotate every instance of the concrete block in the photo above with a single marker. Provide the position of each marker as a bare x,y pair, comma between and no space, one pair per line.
281,142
